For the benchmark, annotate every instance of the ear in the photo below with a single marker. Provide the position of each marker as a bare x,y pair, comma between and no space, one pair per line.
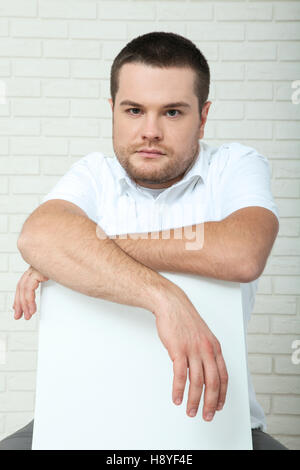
204,113
111,103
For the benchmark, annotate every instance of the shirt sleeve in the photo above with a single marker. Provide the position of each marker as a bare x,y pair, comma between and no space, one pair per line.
245,181
78,186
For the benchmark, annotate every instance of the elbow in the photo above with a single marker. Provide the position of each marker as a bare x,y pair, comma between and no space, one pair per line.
250,271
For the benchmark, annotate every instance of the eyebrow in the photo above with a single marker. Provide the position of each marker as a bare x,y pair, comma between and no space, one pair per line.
178,104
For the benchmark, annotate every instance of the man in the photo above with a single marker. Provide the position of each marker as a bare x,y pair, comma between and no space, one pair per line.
159,89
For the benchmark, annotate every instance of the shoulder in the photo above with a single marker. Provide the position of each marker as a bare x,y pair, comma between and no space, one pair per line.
233,155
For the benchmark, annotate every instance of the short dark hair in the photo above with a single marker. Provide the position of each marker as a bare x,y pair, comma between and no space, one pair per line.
162,49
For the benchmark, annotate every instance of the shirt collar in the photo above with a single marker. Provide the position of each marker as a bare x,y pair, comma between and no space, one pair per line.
198,170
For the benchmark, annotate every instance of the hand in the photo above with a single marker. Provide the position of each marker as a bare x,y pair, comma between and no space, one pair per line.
191,344
25,293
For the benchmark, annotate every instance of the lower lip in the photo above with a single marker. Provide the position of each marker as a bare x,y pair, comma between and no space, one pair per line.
150,155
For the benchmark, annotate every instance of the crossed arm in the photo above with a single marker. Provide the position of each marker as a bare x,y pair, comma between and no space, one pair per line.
234,249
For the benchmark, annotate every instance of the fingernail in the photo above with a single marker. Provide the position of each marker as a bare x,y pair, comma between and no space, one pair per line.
193,412
209,416
178,401
220,406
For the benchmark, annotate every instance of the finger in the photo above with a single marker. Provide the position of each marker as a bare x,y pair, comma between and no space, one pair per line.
17,304
179,381
223,380
196,384
29,285
212,386
22,295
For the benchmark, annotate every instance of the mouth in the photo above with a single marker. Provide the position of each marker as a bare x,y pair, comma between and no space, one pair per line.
150,154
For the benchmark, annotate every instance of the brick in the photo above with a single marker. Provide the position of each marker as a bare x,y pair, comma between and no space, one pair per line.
286,284
19,165
272,111
287,11
2,302
71,127
259,364
8,243
71,49
288,150
276,384
41,68
19,48
3,27
258,324
18,8
285,326
3,223
32,184
273,31
270,344
16,263
128,11
4,68
285,188
286,169
3,146
17,87
18,126
71,88
287,246
20,361
284,364
289,227
55,165
39,28
244,130
73,9
265,402
18,204
111,49
90,108
248,12
21,381
227,110
208,31
274,71
23,342
16,223
182,11
288,51
17,401
288,207
16,420
3,185
283,265
81,147
283,91
2,383
97,29
283,425
90,69
4,263
248,51
8,323
39,146
40,107
137,28
287,130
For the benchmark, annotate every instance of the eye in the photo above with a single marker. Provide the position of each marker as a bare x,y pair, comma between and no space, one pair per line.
137,109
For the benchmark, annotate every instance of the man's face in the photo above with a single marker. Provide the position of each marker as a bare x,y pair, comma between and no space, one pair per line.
149,124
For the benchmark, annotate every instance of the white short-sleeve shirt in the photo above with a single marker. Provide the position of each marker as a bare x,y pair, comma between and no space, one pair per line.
221,181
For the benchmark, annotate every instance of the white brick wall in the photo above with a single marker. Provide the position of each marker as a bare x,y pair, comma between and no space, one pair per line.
55,59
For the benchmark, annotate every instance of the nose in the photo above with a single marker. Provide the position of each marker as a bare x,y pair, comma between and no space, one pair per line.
151,129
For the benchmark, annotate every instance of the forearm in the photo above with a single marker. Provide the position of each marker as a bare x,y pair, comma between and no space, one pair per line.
66,248
215,251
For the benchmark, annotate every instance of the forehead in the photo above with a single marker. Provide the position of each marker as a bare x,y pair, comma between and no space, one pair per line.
140,81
